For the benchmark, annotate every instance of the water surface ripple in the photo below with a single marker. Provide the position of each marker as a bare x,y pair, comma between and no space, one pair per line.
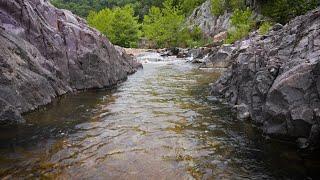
159,124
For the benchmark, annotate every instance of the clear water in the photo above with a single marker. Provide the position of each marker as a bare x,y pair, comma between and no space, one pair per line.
159,124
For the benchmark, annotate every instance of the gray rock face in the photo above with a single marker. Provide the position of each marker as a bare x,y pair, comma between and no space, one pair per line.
211,25
220,57
277,77
46,52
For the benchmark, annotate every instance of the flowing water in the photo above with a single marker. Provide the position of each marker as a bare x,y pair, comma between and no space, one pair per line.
159,124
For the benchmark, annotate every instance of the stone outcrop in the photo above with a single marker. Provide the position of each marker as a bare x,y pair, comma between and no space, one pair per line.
216,27
275,80
211,25
46,52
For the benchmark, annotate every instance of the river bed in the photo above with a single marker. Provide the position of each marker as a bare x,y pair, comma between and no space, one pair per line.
159,124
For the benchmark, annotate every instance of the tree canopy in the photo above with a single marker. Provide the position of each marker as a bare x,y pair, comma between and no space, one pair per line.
163,22
141,7
166,27
118,24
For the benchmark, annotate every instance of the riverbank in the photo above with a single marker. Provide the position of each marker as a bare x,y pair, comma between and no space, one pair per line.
272,79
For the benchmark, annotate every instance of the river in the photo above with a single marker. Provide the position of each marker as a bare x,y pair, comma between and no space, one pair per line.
159,124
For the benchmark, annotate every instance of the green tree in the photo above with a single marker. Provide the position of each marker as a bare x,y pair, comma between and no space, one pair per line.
166,27
118,24
80,7
83,7
152,27
163,26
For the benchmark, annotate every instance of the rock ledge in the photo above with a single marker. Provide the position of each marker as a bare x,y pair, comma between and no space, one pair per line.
46,52
276,79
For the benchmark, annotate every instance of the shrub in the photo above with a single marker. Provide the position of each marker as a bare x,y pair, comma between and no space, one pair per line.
191,38
241,24
265,27
217,7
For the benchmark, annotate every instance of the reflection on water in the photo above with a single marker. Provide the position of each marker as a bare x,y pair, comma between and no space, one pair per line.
159,124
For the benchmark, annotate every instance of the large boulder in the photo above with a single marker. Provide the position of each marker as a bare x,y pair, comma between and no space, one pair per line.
46,52
277,77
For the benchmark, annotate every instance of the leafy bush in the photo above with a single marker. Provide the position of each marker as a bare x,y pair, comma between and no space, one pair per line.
191,38
265,27
242,17
241,24
118,24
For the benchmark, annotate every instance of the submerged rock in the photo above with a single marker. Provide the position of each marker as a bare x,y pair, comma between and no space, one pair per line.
277,76
46,52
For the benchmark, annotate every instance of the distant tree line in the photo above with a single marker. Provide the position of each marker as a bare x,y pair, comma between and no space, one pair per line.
162,23
162,26
141,7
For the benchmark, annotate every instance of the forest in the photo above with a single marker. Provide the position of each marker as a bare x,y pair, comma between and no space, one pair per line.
141,7
162,23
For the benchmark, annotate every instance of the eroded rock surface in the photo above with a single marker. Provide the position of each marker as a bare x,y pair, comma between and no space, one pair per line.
277,76
46,52
211,25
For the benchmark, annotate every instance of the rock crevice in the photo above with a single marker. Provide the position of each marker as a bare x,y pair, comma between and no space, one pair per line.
276,76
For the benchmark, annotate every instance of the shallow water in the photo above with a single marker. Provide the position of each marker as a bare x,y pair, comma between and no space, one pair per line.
159,124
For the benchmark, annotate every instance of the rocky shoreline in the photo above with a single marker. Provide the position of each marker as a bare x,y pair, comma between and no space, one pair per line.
47,52
273,79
